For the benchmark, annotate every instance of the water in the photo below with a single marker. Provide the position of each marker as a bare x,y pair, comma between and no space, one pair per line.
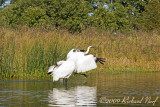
102,89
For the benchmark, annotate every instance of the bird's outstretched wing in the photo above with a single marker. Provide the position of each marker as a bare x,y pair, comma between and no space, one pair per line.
85,63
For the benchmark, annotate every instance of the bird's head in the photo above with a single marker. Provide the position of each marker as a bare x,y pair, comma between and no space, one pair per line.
56,64
59,63
90,47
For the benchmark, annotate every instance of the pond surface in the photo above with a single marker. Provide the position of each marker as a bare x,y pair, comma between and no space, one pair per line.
101,89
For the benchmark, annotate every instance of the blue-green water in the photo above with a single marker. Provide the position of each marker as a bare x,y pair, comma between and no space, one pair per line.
102,89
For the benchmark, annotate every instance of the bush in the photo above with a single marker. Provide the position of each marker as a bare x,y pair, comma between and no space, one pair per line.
112,19
71,14
150,19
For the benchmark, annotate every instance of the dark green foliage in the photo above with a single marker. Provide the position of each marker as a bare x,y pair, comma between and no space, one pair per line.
68,14
114,18
151,16
22,13
1,2
73,15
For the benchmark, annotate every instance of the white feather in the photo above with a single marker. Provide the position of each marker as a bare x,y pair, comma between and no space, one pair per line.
85,63
70,53
64,70
73,51
75,56
82,62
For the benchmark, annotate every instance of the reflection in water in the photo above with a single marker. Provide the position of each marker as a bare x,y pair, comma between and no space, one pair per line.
128,85
95,92
77,96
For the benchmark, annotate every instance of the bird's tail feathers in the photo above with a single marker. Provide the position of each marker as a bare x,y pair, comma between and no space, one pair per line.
50,72
51,69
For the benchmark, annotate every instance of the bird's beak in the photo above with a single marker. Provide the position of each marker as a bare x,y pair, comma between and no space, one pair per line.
93,47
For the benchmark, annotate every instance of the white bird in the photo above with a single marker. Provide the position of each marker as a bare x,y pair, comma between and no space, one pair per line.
85,53
51,69
77,61
62,69
81,52
82,61
87,63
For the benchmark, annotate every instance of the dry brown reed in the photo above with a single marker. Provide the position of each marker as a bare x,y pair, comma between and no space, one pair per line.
30,51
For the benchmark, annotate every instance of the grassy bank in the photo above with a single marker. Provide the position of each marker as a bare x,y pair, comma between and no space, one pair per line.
29,52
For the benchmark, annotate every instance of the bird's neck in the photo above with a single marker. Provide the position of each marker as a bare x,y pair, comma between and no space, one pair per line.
87,51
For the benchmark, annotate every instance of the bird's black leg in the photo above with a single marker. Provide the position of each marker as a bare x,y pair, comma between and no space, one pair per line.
66,83
81,74
85,75
63,81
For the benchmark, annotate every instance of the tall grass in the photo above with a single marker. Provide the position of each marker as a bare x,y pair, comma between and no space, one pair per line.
29,52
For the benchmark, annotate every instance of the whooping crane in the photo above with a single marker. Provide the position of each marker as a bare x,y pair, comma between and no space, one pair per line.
62,69
77,61
85,53
87,63
82,61
72,51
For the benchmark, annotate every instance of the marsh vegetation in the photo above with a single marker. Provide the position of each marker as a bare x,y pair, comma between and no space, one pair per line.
30,51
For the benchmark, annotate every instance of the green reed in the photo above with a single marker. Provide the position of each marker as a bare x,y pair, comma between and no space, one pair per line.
22,56
28,52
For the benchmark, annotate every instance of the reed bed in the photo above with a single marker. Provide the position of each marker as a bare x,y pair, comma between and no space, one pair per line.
28,52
